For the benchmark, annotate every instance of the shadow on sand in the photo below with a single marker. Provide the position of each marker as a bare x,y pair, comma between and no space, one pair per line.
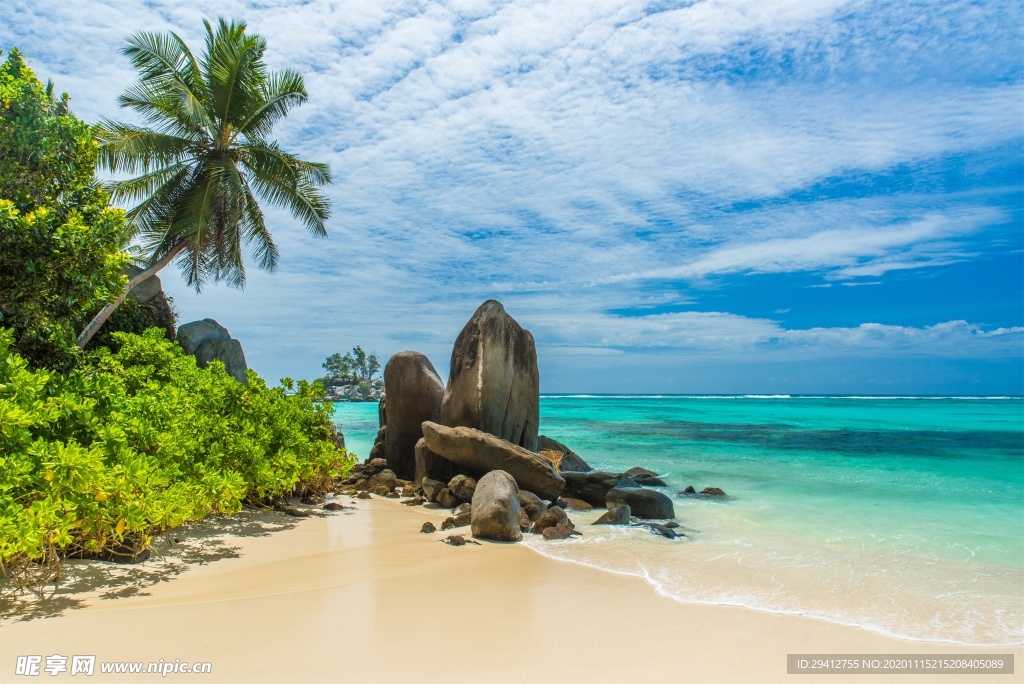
173,553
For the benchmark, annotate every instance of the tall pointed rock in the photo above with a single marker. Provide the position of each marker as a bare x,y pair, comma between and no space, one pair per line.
494,384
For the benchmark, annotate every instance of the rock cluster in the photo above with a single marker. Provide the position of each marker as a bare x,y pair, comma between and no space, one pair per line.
472,446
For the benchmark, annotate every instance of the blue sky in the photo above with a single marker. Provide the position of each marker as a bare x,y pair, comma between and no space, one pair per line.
719,196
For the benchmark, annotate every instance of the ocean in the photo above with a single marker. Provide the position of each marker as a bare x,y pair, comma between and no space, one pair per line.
901,515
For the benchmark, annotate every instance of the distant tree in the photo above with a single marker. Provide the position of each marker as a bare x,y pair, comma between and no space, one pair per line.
355,366
338,366
204,156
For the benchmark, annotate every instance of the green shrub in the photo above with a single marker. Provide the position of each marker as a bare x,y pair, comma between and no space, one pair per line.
60,241
138,441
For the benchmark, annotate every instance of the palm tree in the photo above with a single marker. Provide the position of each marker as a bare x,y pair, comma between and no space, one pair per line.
204,158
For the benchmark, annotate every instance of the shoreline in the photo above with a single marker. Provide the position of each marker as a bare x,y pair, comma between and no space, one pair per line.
364,596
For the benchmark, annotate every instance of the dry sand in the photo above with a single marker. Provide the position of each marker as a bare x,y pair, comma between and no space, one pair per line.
364,597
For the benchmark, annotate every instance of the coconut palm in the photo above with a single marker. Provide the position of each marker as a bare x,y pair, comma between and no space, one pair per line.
203,158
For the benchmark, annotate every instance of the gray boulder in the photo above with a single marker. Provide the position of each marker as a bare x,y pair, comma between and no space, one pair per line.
414,391
495,510
494,384
479,452
571,461
643,503
229,352
593,487
618,515
193,334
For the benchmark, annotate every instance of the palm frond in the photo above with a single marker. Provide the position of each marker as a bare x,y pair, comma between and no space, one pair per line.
280,93
133,149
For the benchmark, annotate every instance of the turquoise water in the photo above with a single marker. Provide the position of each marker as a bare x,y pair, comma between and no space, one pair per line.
900,515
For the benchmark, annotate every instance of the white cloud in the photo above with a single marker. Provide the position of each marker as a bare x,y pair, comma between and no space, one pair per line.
562,155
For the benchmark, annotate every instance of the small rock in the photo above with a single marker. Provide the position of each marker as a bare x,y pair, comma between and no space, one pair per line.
379,463
428,527
462,508
688,490
672,524
431,488
531,504
664,531
552,517
333,506
380,490
619,515
448,524
393,495
524,521
408,490
296,512
577,504
363,495
458,540
712,491
556,532
446,499
312,499
462,487
415,501
385,478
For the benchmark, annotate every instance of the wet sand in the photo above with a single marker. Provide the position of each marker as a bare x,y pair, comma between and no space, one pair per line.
363,596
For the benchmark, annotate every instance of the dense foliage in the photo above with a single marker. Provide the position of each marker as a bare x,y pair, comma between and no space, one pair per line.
141,440
60,241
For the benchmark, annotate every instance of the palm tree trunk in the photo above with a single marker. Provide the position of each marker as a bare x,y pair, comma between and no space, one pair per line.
97,322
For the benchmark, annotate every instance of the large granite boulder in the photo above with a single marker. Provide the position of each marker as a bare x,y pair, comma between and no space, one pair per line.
414,391
593,487
229,352
192,335
494,384
571,461
480,452
495,510
642,502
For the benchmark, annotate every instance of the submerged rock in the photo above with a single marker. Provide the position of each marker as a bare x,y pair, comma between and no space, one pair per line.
712,491
645,477
619,515
593,487
576,504
643,503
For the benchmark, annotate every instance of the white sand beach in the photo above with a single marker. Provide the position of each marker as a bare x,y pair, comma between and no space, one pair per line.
363,596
